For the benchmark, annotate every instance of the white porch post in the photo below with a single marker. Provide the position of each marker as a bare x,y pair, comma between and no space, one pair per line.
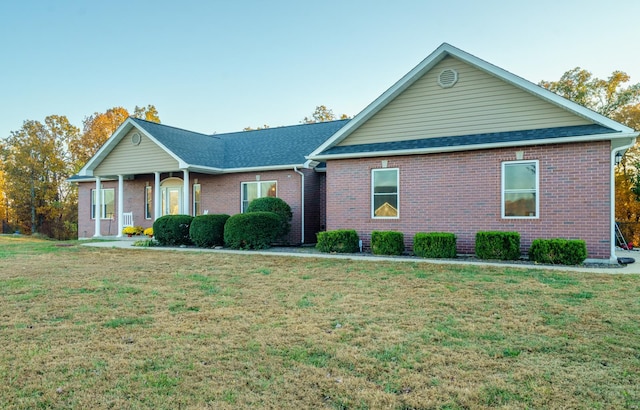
157,205
185,193
120,203
98,207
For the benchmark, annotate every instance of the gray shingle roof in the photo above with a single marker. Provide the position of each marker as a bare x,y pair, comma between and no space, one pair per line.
470,140
245,149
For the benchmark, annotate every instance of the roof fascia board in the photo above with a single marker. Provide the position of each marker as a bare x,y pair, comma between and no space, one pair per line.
107,147
115,138
539,91
546,141
434,58
405,82
261,169
181,164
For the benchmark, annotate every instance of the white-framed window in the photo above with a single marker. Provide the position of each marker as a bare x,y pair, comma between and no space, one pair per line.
385,193
257,189
107,203
196,200
520,187
148,202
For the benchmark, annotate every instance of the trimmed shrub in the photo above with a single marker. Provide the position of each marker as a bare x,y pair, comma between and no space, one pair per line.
558,251
498,245
340,241
207,231
279,207
387,243
434,245
252,230
172,230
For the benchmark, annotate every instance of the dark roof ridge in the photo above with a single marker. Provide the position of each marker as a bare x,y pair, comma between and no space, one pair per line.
279,127
135,119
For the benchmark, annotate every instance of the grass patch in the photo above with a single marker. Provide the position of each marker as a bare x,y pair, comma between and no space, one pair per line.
110,328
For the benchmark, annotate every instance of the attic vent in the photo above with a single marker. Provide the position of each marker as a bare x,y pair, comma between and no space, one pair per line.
447,78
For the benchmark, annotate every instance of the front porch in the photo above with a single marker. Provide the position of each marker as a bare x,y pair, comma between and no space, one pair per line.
138,200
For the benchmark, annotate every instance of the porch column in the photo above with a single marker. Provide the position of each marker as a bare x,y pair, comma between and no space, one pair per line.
157,205
98,206
120,203
185,193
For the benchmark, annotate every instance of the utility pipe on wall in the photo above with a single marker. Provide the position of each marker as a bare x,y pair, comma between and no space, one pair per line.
295,169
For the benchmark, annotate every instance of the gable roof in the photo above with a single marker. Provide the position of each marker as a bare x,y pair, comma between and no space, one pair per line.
271,148
602,127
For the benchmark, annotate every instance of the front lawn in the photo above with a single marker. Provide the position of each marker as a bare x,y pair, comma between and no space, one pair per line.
135,329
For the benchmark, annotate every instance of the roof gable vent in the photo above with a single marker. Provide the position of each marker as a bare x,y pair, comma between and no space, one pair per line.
447,78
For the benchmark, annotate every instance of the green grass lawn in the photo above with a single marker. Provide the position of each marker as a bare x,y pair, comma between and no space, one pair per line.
95,328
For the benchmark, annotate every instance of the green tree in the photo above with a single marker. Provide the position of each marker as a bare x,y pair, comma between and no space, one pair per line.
149,113
322,114
607,97
36,167
621,102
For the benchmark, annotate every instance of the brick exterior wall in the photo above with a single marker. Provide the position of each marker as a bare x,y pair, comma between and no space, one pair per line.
219,194
461,193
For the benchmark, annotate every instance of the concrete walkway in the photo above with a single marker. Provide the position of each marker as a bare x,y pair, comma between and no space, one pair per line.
309,252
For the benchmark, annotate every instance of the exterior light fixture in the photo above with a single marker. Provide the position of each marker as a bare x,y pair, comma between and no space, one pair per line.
618,158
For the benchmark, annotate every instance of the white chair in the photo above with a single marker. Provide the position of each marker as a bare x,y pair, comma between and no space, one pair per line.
127,219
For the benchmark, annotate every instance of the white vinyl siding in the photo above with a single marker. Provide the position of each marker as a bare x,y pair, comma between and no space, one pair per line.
127,158
520,189
478,103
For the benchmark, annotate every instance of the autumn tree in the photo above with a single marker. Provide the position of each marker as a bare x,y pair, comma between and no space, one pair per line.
97,128
148,113
4,208
322,114
36,167
620,102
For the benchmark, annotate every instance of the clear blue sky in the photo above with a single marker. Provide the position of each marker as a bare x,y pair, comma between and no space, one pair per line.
219,66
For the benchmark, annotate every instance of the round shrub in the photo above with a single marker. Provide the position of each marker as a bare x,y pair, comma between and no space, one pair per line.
279,207
172,230
252,230
207,231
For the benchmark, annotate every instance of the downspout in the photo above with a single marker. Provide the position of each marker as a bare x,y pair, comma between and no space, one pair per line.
295,169
613,258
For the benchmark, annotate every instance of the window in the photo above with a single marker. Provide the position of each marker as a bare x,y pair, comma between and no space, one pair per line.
384,193
258,189
148,201
107,203
196,199
520,189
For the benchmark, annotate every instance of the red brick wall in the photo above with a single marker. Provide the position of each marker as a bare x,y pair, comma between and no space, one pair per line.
461,193
314,204
219,194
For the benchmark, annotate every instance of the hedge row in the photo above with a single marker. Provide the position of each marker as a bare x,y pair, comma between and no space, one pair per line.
489,245
266,220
